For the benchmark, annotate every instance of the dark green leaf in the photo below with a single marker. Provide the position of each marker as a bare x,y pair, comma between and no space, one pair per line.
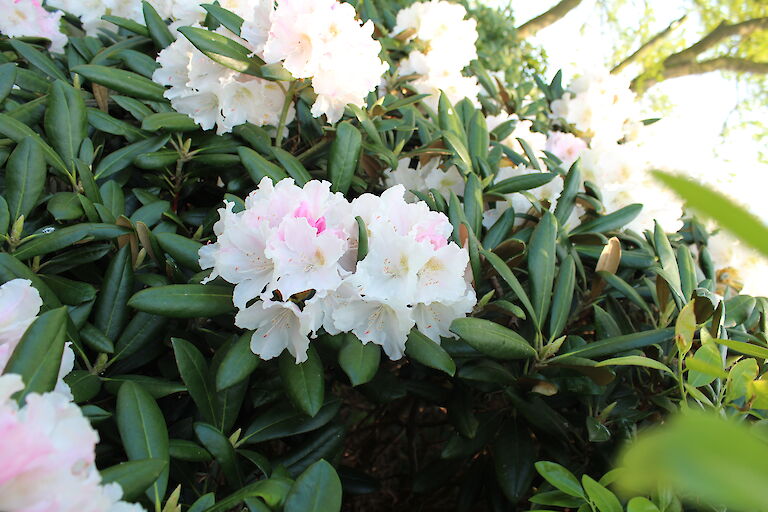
610,222
258,167
292,165
157,28
222,450
223,50
318,489
143,432
134,476
125,82
492,339
541,263
111,313
521,183
24,178
619,344
38,59
37,357
563,297
344,156
303,382
195,374
422,349
228,19
360,362
184,300
65,121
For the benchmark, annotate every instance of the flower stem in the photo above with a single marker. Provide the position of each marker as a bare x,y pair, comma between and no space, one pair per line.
284,113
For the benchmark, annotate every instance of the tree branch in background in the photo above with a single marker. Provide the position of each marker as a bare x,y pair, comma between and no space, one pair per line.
648,46
684,62
544,20
735,64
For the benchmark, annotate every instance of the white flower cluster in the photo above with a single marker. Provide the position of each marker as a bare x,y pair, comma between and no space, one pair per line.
90,12
323,40
19,305
599,106
47,456
295,250
425,177
214,95
29,18
445,44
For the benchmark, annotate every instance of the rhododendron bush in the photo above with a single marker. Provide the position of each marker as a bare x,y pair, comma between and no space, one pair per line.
312,255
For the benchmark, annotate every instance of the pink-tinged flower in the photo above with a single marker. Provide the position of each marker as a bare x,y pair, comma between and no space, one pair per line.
278,326
565,146
47,456
305,259
323,40
29,18
238,255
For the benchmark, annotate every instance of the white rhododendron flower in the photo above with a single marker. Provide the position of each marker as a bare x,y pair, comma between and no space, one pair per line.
565,146
292,256
91,11
47,456
214,95
425,177
738,267
444,45
28,18
598,105
324,41
522,130
19,305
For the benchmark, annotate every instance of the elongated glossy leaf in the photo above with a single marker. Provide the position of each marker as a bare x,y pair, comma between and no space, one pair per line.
635,361
292,165
610,222
65,121
541,263
111,313
228,19
492,339
123,157
195,374
283,420
18,131
625,289
258,167
303,382
38,59
604,500
560,478
168,121
523,182
360,362
134,476
273,491
37,357
567,200
5,217
506,273
238,363
223,50
142,330
473,203
344,156
156,27
24,178
222,450
422,349
184,250
619,344
64,237
184,300
125,82
143,432
7,79
318,489
563,297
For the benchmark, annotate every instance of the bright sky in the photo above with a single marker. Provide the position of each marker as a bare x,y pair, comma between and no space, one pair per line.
689,136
